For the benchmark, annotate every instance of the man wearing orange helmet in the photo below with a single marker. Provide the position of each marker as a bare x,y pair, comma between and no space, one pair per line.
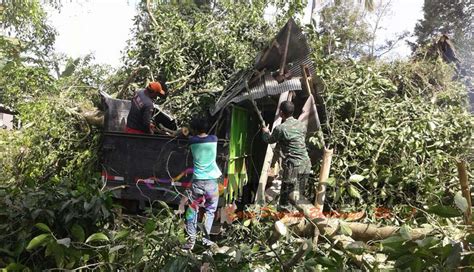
139,120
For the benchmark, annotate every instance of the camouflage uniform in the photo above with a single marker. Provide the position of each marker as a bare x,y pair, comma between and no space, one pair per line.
291,135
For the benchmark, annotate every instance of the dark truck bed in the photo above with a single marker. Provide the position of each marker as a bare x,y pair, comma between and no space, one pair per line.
150,167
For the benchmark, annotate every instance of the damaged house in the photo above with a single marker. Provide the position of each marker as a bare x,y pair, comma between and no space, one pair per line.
159,167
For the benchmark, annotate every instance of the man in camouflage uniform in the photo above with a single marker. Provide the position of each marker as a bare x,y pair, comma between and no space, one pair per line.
290,135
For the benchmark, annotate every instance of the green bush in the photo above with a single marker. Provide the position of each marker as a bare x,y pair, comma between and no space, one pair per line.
397,130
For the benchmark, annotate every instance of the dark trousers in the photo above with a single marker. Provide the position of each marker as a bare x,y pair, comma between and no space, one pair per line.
294,179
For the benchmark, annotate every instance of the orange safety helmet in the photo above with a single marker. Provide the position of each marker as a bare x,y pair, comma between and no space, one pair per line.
156,87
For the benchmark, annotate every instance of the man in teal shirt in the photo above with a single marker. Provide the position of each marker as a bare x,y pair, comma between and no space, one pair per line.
204,189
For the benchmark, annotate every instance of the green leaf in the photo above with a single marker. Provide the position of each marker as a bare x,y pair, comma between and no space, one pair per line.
454,258
393,240
121,234
163,204
416,265
356,178
65,242
150,226
15,267
331,181
116,248
97,237
404,261
137,254
444,211
49,249
405,232
356,247
461,202
345,229
431,125
427,242
38,241
353,192
255,248
247,222
43,227
78,233
20,247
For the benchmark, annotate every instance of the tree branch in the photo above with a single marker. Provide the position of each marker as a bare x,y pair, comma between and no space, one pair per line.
150,14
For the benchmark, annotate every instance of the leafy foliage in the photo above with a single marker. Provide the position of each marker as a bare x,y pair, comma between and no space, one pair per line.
207,53
399,125
396,129
52,217
26,30
213,44
344,31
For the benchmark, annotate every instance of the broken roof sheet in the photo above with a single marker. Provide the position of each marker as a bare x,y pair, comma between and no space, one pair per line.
289,50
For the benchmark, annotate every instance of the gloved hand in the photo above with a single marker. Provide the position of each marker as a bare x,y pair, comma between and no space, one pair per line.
152,128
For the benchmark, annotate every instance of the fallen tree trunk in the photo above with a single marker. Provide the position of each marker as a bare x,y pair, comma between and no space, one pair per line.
360,231
305,228
313,223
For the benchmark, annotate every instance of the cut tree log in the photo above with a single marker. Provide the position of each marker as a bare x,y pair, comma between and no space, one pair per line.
278,231
323,177
320,190
94,117
330,228
466,192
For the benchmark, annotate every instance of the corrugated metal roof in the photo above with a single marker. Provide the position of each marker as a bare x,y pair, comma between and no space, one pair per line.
269,62
269,86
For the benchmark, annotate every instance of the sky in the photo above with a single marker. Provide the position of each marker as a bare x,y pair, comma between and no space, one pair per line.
403,15
102,27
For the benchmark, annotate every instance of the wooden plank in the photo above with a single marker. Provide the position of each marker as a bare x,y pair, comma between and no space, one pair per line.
262,182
